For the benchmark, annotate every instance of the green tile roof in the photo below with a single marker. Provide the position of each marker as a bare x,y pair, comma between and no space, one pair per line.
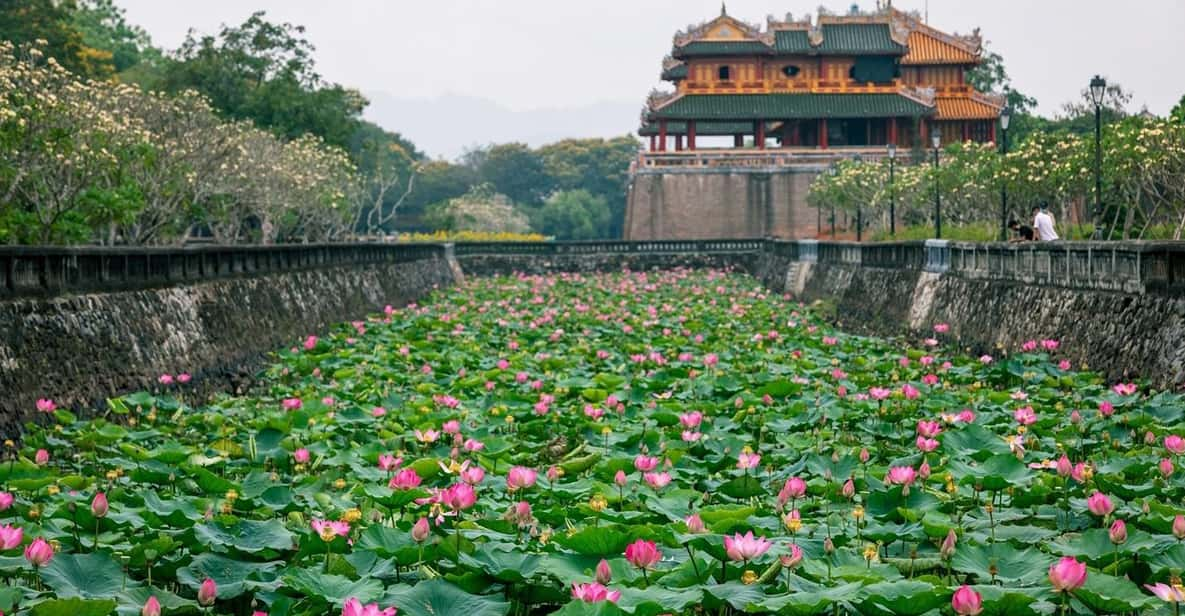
675,73
705,129
792,42
721,48
859,39
790,106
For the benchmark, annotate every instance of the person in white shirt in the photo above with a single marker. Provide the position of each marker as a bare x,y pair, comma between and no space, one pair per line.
1043,223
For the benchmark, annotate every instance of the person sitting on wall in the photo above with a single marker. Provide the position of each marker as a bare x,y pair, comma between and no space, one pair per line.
1023,233
1043,223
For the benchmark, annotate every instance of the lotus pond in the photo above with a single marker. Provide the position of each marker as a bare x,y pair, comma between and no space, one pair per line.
681,442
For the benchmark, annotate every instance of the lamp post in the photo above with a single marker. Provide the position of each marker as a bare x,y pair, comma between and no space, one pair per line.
936,141
834,171
892,192
1005,119
859,209
1098,87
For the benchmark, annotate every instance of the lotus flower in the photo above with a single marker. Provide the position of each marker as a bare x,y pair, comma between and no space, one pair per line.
691,420
420,530
1100,504
746,547
1118,532
791,560
620,478
849,489
99,505
151,607
748,460
1167,593
301,456
520,477
794,488
966,602
45,405
929,429
458,497
603,574
645,464
900,475
473,475
11,537
1179,527
643,554
947,550
1067,574
1175,444
291,404
328,529
405,479
6,499
927,445
1025,416
657,481
594,592
695,524
39,553
354,607
41,458
207,593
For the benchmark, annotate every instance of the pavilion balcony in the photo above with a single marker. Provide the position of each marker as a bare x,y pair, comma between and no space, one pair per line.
709,158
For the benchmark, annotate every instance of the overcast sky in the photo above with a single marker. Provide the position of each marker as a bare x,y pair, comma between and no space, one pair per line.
527,54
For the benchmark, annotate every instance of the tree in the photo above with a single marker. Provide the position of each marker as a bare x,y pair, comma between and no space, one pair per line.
49,24
572,215
513,169
264,72
991,76
479,209
1178,112
103,27
599,166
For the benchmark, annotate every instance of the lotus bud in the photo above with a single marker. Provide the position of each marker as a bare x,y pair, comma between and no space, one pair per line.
603,574
1166,467
849,489
1118,532
864,455
828,546
1064,466
421,530
207,593
948,544
99,505
151,607
695,524
620,479
1179,527
966,602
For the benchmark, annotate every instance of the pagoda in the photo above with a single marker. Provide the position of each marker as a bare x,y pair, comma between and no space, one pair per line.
854,81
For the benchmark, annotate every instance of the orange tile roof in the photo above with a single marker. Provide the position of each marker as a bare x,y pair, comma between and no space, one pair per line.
927,49
964,109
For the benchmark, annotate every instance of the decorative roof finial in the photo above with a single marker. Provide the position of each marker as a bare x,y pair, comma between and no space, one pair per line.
723,10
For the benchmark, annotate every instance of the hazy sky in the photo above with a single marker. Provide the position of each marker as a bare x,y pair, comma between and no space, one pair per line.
526,54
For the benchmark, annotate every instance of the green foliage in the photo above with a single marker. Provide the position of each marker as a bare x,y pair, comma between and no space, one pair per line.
572,215
25,22
103,27
479,209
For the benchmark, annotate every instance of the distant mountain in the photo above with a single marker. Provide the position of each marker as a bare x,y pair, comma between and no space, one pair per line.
444,126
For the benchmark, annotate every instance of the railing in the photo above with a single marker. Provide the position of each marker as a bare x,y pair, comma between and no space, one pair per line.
609,247
749,157
42,271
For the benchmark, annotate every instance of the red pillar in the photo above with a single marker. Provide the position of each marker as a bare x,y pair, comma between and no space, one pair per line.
966,130
653,142
759,135
691,135
992,130
662,135
823,134
924,133
678,143
787,134
893,130
738,141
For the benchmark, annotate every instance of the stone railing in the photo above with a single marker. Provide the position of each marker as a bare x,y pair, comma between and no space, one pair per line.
39,271
750,157
610,247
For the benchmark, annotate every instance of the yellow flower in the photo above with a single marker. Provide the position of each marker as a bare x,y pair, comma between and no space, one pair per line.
339,483
53,490
870,552
352,515
858,512
597,503
232,495
749,576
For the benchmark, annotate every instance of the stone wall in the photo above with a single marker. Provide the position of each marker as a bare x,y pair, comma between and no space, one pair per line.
721,203
495,264
80,348
1121,334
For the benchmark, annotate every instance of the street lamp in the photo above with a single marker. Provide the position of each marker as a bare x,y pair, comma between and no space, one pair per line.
859,208
892,192
936,140
1098,87
1005,119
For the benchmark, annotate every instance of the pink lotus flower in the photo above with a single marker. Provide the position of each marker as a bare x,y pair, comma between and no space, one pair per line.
11,537
1167,593
695,524
910,392
593,592
520,477
985,359
473,475
310,343
941,328
301,456
405,479
864,455
328,529
1175,444
388,462
39,553
1125,389
711,360
849,489
620,479
657,481
6,499
1050,345
929,429
291,404
427,436
1100,504
879,393
794,488
927,444
41,458
1064,364
1029,346
1106,408
746,547
1025,416
930,379
643,554
151,607
472,445
966,602
603,574
1166,467
748,460
1064,467
45,405
451,427
644,463
691,420
420,530
900,475
1179,527
691,437
519,513
354,607
99,505
1118,532
165,379
184,378
378,411
1067,574
947,549
792,560
458,497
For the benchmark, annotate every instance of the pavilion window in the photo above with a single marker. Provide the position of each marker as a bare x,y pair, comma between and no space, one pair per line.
791,70
724,73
